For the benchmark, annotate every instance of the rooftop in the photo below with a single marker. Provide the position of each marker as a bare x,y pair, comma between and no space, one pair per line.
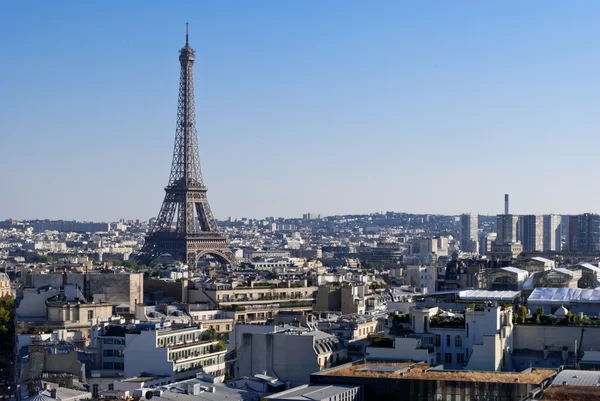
559,296
311,392
577,378
422,371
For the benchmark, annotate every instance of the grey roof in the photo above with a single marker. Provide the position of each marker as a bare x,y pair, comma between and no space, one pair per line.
311,392
177,393
562,295
586,378
565,271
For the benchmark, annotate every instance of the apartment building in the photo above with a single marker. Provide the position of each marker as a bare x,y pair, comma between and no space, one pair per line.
254,303
172,351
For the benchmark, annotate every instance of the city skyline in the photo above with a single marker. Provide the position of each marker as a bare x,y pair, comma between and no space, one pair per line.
352,89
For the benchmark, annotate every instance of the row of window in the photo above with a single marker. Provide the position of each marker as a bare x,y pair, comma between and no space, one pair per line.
113,352
457,340
192,352
460,358
112,365
200,364
179,338
117,341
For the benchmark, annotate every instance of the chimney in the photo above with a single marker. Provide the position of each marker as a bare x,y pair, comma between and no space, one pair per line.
53,393
505,203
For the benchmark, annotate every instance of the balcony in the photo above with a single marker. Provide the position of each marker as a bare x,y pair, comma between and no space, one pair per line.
234,307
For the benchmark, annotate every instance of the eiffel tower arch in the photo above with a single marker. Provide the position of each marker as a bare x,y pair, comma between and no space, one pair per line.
185,227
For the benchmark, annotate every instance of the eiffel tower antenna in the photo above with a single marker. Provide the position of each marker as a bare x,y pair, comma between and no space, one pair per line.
185,227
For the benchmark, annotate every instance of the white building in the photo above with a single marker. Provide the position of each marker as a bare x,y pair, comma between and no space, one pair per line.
288,353
552,232
482,343
172,352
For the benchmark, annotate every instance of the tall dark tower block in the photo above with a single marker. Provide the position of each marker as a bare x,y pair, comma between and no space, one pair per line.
185,227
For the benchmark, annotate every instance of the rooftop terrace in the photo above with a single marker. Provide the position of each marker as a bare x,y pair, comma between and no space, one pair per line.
422,371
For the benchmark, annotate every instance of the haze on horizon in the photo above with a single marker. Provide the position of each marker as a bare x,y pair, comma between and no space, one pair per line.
334,108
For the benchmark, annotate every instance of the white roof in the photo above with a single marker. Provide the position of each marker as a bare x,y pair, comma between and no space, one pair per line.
586,378
486,295
564,295
540,259
590,267
514,270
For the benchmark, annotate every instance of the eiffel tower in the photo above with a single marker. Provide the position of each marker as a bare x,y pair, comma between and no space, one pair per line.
185,227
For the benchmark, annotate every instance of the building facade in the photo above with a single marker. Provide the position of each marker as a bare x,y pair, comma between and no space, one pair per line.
469,226
552,233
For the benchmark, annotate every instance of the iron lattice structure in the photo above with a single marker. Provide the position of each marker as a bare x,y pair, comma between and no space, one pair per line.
185,227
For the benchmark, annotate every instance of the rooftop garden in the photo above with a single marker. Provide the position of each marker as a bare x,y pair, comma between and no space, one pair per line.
447,320
540,318
382,342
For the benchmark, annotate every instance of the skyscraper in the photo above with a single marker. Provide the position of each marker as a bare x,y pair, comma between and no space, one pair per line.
469,226
506,228
531,232
589,232
552,233
573,234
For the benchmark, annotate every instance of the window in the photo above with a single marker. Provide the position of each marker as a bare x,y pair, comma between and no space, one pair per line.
467,329
108,352
438,340
90,314
448,340
447,357
458,341
108,341
460,358
111,386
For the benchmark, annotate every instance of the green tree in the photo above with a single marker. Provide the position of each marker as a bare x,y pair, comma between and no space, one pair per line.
220,346
522,312
570,317
210,334
539,311
39,258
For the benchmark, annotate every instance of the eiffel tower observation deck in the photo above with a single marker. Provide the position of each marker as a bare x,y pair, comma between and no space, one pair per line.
185,228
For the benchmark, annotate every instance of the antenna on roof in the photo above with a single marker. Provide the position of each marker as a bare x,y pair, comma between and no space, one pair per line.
186,34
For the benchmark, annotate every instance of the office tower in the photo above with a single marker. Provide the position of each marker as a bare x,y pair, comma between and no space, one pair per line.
572,243
589,232
469,225
552,233
185,205
531,232
506,228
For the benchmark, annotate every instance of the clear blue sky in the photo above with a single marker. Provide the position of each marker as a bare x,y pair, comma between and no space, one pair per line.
330,107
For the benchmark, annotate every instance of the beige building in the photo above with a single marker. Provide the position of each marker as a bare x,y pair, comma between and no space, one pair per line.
5,288
346,298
